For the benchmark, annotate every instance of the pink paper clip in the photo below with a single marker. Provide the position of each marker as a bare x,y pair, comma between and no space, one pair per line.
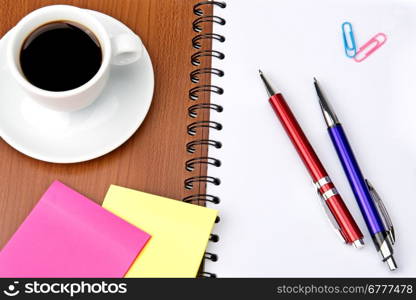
368,48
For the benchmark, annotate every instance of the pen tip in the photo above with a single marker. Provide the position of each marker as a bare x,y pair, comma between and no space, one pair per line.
314,80
270,90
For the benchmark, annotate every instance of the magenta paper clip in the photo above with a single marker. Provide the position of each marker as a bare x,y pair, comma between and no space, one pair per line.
368,48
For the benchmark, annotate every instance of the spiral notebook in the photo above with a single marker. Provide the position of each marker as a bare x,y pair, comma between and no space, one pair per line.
271,221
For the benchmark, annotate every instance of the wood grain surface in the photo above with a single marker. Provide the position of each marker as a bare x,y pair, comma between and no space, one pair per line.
153,159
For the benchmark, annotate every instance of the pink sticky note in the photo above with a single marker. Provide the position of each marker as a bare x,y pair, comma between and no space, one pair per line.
68,235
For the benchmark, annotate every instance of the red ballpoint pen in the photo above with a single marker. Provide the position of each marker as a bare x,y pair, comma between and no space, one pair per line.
338,213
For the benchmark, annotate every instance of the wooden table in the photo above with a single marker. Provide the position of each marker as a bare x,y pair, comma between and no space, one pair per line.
153,159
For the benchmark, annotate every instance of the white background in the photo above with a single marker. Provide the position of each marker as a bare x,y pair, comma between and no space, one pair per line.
271,220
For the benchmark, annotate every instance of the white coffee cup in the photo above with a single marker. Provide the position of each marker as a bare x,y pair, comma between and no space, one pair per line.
121,49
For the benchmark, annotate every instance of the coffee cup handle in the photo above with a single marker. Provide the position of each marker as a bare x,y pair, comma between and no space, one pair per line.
127,48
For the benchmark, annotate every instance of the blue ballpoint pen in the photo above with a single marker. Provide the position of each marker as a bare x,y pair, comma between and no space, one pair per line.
372,208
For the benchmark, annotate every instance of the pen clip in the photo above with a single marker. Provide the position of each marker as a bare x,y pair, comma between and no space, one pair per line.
331,218
382,211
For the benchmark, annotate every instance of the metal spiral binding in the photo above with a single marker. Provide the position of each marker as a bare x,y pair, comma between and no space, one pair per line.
198,10
195,74
190,163
189,182
193,110
210,256
213,36
197,59
207,275
196,25
190,147
193,92
192,128
204,197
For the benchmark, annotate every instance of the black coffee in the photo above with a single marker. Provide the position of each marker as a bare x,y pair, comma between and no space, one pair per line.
60,56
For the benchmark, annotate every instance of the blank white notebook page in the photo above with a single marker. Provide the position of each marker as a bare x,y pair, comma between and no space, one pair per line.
272,222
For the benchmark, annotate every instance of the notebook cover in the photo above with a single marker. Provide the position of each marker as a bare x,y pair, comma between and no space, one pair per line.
153,159
68,235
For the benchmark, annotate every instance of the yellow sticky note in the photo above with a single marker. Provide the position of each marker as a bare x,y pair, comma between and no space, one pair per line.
180,232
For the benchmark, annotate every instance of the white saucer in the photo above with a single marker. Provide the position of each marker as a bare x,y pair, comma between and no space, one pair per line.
83,135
